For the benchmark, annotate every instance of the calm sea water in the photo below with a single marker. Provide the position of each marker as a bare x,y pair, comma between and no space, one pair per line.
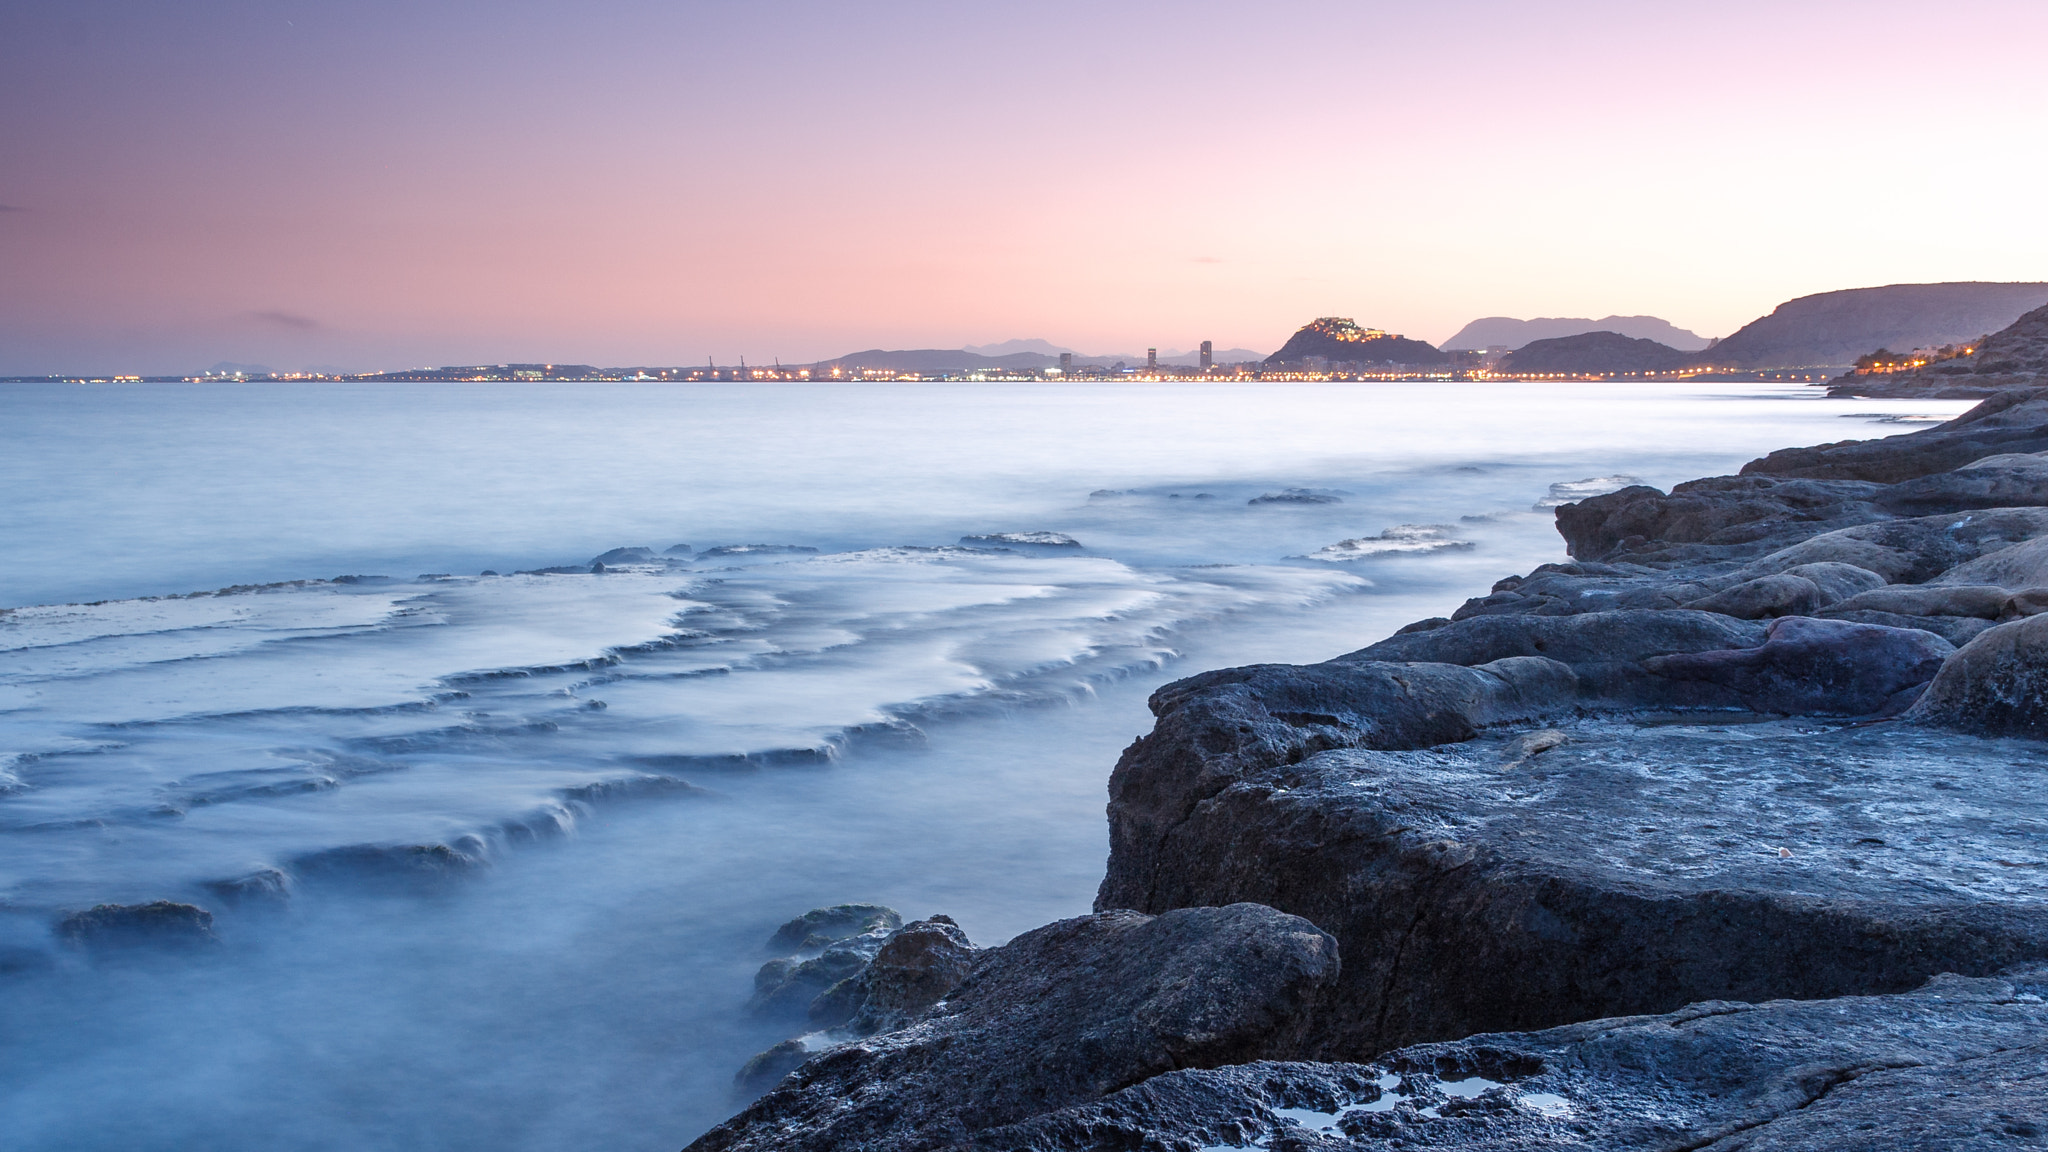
890,717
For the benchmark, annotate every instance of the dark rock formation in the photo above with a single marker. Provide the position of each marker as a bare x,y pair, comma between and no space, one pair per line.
158,924
1595,353
1296,496
1337,340
626,556
821,926
2011,421
1834,328
1996,685
1022,539
1062,1015
914,970
1819,668
1957,1064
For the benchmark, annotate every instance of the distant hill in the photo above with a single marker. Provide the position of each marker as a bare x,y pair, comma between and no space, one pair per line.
1340,340
1506,332
1834,328
1596,353
933,360
2015,356
1186,358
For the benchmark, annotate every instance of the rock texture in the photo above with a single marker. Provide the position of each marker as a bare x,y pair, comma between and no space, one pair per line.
1960,1064
1061,1015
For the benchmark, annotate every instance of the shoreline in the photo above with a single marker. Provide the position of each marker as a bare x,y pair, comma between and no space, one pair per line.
1740,749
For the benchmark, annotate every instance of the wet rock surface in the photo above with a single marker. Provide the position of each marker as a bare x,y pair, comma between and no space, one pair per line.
1957,1064
1062,1015
158,924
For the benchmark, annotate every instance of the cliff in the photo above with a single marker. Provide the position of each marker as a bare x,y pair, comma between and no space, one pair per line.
1595,353
1834,328
1335,340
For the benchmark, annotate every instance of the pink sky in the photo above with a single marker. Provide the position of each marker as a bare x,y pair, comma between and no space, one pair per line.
399,184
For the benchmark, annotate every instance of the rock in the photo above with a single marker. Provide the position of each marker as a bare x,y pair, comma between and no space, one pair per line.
1996,685
915,969
767,1068
1766,596
821,926
1634,869
757,550
1032,539
675,551
1957,1064
158,924
2008,422
399,865
1061,1015
619,556
2024,565
1746,511
1568,491
1911,551
1605,650
1401,538
1296,496
788,986
1985,601
2008,480
1957,630
1819,667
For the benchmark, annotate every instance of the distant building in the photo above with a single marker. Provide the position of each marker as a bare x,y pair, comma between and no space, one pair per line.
1208,355
1066,362
1151,359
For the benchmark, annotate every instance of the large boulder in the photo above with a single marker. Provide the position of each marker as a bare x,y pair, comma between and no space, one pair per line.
1959,1064
1631,868
1911,551
1819,667
157,924
1996,685
1061,1015
1720,510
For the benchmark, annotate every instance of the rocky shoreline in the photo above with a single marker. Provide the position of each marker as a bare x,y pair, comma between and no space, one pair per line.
1724,834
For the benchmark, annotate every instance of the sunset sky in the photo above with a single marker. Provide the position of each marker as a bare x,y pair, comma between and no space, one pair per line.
385,184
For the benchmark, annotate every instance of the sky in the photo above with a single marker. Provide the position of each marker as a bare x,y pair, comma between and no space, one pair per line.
381,184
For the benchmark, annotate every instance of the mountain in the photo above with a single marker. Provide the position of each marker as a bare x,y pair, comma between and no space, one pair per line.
1595,353
1010,347
1339,340
1506,332
1834,328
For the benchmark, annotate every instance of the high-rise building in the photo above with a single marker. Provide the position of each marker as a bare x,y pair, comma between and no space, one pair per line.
1208,354
1151,359
1066,362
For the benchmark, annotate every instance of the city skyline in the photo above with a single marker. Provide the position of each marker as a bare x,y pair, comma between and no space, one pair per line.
390,186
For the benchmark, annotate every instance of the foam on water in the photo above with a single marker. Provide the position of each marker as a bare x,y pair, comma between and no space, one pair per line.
492,856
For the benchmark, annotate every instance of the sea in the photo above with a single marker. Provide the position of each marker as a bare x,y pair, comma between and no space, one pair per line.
493,852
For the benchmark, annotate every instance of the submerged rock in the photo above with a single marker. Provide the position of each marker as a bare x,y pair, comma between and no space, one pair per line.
1031,539
1296,496
619,556
821,926
1401,538
1061,1015
158,924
